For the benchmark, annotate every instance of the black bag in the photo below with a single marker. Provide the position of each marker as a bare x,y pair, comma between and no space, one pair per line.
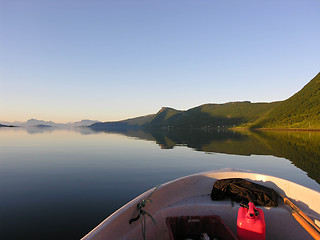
241,190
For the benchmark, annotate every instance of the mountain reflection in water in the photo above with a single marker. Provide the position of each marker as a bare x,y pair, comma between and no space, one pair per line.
85,175
300,147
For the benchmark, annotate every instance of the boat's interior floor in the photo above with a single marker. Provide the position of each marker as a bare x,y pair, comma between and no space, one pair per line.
279,222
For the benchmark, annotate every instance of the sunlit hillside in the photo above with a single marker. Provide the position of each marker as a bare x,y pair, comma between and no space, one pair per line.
300,111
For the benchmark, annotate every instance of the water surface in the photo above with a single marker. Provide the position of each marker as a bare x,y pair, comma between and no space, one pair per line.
59,183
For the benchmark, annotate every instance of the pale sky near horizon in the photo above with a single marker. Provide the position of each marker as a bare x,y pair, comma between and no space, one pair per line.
110,60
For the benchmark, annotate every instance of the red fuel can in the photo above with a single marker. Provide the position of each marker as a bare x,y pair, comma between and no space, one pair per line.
250,223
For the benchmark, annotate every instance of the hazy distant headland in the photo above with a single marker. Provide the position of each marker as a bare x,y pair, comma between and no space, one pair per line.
35,123
299,112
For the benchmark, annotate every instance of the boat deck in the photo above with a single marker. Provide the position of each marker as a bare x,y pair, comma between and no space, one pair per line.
279,222
190,196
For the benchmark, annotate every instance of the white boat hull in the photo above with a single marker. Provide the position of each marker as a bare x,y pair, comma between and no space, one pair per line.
190,196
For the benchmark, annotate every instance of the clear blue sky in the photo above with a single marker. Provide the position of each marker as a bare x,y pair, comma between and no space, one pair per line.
109,60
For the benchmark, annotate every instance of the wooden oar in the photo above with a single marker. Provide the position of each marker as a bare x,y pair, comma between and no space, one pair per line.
314,233
303,219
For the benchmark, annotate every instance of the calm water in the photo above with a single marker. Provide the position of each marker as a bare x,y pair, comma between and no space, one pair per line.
59,184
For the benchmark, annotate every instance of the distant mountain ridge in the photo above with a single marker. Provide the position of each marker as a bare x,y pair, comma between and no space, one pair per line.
35,122
299,111
41,123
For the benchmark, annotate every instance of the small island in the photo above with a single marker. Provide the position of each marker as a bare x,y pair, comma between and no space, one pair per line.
2,125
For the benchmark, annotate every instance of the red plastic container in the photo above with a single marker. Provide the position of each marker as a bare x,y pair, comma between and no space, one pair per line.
191,227
251,224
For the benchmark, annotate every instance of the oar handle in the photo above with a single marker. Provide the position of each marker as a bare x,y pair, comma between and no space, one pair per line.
302,214
314,233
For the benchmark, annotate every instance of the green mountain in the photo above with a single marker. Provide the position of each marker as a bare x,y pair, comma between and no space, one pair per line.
302,110
212,115
164,117
139,121
132,123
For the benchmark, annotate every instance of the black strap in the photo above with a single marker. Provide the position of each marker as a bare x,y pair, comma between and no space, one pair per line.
136,218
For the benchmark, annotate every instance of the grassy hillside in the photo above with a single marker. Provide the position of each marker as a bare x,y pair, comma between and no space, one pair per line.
139,121
302,110
164,117
125,124
211,115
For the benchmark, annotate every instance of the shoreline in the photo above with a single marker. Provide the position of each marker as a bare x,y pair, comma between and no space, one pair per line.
280,129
